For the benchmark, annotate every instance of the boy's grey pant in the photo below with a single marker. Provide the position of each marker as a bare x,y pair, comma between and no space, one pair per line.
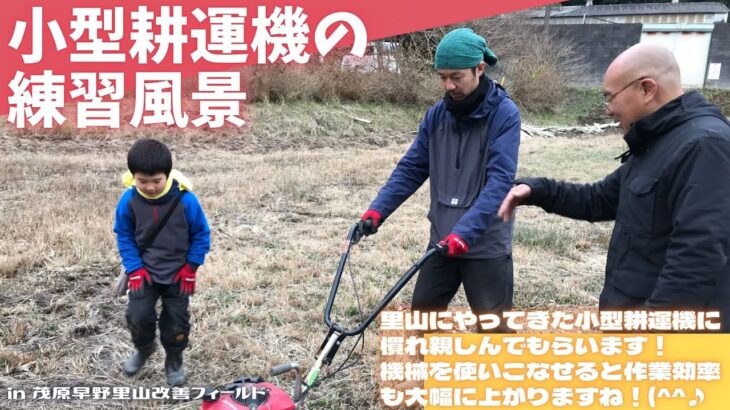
174,321
488,284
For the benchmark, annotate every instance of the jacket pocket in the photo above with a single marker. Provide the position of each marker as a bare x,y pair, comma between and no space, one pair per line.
457,184
458,199
459,188
638,285
642,185
638,207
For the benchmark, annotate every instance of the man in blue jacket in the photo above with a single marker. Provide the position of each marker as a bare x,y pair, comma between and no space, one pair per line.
467,145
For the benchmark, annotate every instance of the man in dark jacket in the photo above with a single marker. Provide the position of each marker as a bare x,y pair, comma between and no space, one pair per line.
670,197
467,145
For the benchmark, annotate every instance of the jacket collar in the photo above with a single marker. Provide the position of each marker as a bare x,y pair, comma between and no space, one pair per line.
176,182
646,131
491,101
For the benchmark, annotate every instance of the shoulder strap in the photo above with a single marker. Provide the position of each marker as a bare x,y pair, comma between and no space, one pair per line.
146,244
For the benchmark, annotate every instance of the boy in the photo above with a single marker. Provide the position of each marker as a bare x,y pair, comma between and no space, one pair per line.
165,267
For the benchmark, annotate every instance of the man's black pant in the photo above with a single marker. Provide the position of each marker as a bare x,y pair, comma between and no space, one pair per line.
174,321
488,284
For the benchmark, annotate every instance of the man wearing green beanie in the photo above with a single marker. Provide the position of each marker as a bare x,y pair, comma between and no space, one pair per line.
467,146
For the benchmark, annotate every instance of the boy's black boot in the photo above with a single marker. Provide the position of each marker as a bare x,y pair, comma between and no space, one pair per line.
137,359
174,368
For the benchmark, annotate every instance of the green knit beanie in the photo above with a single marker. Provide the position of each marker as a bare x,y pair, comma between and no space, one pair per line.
463,48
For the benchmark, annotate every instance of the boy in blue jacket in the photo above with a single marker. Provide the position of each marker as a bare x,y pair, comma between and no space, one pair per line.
467,146
165,268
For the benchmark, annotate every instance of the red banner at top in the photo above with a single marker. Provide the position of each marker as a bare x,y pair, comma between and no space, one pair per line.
42,43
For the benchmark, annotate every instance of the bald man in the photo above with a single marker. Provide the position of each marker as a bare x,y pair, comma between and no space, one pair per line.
670,197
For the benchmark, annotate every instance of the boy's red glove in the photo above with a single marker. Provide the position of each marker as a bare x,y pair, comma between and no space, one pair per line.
186,277
136,279
455,245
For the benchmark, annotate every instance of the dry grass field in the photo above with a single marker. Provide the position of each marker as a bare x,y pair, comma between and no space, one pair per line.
279,200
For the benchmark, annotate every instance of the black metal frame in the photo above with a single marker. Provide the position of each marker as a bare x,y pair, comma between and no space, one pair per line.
336,334
353,237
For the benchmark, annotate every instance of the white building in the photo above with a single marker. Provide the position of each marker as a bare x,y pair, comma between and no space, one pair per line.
684,28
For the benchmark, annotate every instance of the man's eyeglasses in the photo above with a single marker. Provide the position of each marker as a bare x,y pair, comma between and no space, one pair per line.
610,97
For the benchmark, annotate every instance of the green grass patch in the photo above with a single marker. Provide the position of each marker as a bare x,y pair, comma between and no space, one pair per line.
239,319
583,105
221,298
352,311
275,320
558,240
576,161
307,119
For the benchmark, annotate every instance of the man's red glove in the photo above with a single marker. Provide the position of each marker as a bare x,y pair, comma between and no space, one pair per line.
186,277
455,245
136,279
375,218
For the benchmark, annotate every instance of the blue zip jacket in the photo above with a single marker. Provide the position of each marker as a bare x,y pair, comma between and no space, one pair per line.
185,238
467,183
